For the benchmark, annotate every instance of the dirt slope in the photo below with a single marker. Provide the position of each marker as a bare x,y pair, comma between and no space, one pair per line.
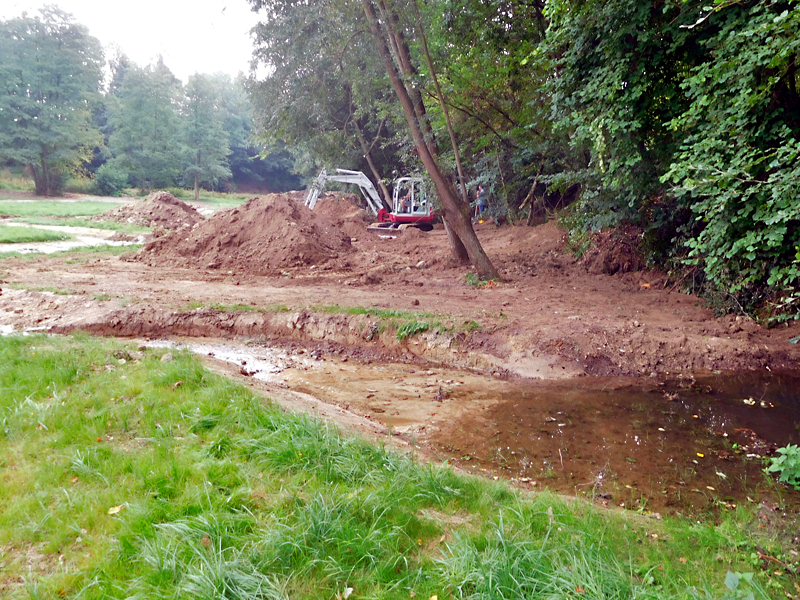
159,209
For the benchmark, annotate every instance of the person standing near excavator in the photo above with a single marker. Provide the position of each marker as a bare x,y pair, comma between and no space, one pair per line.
480,204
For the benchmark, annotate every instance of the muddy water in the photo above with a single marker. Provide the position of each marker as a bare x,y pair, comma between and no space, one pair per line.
672,445
681,445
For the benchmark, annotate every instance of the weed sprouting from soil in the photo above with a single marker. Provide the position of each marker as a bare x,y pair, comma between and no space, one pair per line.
155,478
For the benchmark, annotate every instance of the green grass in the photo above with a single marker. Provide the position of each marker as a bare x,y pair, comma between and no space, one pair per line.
54,208
20,235
77,255
122,476
41,288
78,222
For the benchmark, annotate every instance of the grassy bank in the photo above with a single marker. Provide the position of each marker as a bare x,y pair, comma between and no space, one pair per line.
20,235
132,474
54,208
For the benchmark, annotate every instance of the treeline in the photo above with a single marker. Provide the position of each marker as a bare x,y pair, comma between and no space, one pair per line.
681,118
143,129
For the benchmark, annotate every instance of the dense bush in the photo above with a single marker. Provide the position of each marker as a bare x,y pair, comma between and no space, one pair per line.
110,180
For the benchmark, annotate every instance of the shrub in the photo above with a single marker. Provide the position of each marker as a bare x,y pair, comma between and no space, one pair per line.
110,180
787,464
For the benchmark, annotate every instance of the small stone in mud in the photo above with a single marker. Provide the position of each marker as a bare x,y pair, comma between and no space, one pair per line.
415,302
166,357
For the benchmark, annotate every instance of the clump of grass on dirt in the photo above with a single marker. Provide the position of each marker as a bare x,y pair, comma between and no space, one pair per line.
77,255
42,288
130,474
21,235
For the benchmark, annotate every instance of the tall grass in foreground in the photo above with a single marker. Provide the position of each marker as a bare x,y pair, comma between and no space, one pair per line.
126,476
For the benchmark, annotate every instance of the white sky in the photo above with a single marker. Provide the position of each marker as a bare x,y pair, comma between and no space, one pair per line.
193,36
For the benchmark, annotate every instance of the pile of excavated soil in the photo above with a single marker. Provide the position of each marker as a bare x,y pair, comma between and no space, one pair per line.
258,238
343,211
159,209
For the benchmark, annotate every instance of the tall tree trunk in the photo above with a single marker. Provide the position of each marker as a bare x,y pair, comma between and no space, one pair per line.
402,55
457,248
440,95
197,177
45,180
455,213
385,194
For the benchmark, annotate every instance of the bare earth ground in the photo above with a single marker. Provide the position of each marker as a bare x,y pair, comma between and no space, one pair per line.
452,389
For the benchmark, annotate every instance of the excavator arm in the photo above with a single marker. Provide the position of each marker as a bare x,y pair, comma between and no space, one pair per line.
344,176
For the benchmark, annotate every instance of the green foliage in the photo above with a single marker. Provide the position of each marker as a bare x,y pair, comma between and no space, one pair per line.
11,180
110,180
687,119
738,167
145,125
732,582
326,98
49,83
787,465
207,142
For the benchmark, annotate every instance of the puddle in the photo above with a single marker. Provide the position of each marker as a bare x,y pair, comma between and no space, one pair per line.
684,445
264,363
681,445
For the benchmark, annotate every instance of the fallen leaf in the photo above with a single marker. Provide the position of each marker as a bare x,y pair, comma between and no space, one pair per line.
644,286
177,384
75,479
683,560
346,593
115,509
434,597
579,590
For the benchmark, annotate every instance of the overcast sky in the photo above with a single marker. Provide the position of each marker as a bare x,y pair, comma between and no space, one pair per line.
193,36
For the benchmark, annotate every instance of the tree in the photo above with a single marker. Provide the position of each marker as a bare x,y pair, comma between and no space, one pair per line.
333,72
50,78
146,126
326,96
206,141
397,61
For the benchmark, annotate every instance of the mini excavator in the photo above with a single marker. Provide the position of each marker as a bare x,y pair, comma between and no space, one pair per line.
410,206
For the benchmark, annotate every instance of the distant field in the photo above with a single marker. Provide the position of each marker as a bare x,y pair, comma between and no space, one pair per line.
54,208
82,222
22,235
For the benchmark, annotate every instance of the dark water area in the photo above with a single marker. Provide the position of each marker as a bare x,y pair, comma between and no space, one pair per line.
682,444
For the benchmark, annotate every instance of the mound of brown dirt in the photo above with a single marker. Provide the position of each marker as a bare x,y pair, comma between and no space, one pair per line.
344,211
614,251
259,237
159,209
